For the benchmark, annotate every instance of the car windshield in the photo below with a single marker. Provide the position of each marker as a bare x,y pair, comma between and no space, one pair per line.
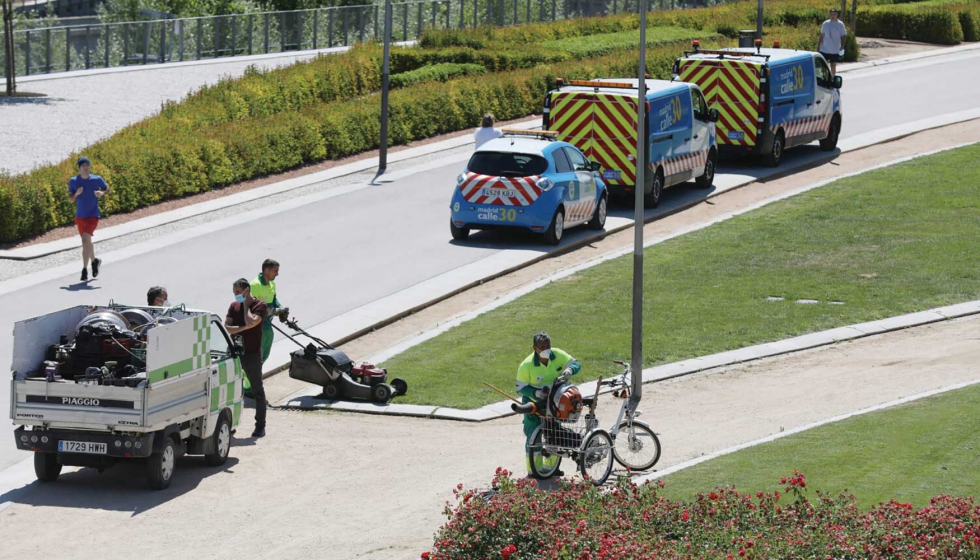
502,164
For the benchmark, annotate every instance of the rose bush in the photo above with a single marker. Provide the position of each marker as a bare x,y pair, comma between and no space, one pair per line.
516,521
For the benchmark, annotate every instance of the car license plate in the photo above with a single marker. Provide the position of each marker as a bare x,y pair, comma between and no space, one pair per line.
612,174
736,135
82,447
501,193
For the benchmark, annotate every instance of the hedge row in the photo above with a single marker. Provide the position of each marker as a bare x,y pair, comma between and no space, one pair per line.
436,73
160,159
933,25
594,46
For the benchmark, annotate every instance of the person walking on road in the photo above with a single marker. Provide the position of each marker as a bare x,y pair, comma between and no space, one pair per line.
157,297
84,191
486,132
832,37
535,376
245,317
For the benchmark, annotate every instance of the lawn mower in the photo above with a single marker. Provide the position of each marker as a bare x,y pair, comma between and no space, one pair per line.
321,364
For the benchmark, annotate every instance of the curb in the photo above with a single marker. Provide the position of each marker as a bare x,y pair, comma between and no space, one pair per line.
854,66
664,372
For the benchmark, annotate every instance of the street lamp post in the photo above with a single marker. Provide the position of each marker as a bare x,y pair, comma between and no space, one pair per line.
636,356
385,71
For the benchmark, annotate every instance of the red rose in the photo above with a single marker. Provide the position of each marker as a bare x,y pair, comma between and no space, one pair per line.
425,555
685,517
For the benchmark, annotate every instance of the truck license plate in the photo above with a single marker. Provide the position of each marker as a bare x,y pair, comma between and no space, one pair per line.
82,447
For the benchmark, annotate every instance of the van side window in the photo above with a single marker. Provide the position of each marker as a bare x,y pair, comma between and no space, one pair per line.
579,163
824,77
700,105
561,162
220,346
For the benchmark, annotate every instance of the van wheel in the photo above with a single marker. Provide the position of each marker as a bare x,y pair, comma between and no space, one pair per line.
160,466
599,217
46,466
829,143
776,153
652,198
556,230
222,443
708,178
458,233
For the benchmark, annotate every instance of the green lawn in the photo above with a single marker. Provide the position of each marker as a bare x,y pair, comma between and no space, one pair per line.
884,243
593,46
909,453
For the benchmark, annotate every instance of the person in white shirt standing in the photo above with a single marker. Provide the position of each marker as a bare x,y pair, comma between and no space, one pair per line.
486,132
832,35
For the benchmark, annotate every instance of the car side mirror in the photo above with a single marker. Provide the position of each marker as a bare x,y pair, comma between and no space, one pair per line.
595,165
239,343
838,82
713,115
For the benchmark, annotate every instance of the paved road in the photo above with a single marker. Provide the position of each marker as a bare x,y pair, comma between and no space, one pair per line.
341,252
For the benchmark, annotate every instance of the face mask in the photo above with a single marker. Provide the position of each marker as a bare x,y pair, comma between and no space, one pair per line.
240,298
166,303
545,354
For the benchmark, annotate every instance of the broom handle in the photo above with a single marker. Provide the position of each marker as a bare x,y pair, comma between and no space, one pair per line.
502,393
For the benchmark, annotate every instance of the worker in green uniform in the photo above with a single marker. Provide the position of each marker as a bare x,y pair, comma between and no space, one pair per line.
535,376
263,288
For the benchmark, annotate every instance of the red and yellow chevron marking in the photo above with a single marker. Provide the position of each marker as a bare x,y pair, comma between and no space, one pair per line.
602,125
733,87
500,191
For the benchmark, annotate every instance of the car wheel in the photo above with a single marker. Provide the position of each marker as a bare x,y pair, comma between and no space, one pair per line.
599,217
776,154
708,178
829,143
459,233
652,198
222,443
557,228
160,466
46,466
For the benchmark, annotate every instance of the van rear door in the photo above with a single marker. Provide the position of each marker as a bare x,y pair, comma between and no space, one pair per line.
733,87
603,126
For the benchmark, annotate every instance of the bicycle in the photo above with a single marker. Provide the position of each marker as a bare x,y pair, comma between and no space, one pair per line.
640,449
569,434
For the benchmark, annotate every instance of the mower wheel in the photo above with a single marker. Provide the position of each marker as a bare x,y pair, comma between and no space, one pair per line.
381,393
399,385
331,391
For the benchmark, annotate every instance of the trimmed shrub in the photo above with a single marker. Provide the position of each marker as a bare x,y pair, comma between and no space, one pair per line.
436,73
970,23
598,45
933,25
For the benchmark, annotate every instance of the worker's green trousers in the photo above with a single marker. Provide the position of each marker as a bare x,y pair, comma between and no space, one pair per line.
268,336
531,423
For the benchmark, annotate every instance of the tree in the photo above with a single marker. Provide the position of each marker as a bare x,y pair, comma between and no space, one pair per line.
10,66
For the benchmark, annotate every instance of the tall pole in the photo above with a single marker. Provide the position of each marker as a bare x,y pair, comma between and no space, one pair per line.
385,71
636,357
758,21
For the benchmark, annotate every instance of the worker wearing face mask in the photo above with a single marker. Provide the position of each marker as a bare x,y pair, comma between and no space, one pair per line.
157,297
535,376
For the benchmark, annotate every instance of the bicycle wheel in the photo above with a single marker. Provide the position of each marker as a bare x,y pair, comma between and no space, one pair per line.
541,462
636,446
596,458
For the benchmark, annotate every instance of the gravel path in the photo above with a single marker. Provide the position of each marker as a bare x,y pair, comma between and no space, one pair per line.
79,110
374,487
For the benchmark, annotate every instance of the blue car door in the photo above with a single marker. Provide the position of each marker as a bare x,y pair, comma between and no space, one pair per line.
580,203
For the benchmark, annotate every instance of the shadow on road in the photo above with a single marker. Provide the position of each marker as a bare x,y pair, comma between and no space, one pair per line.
80,287
122,487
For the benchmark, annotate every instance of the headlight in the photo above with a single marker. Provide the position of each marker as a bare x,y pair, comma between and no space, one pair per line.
545,183
460,179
